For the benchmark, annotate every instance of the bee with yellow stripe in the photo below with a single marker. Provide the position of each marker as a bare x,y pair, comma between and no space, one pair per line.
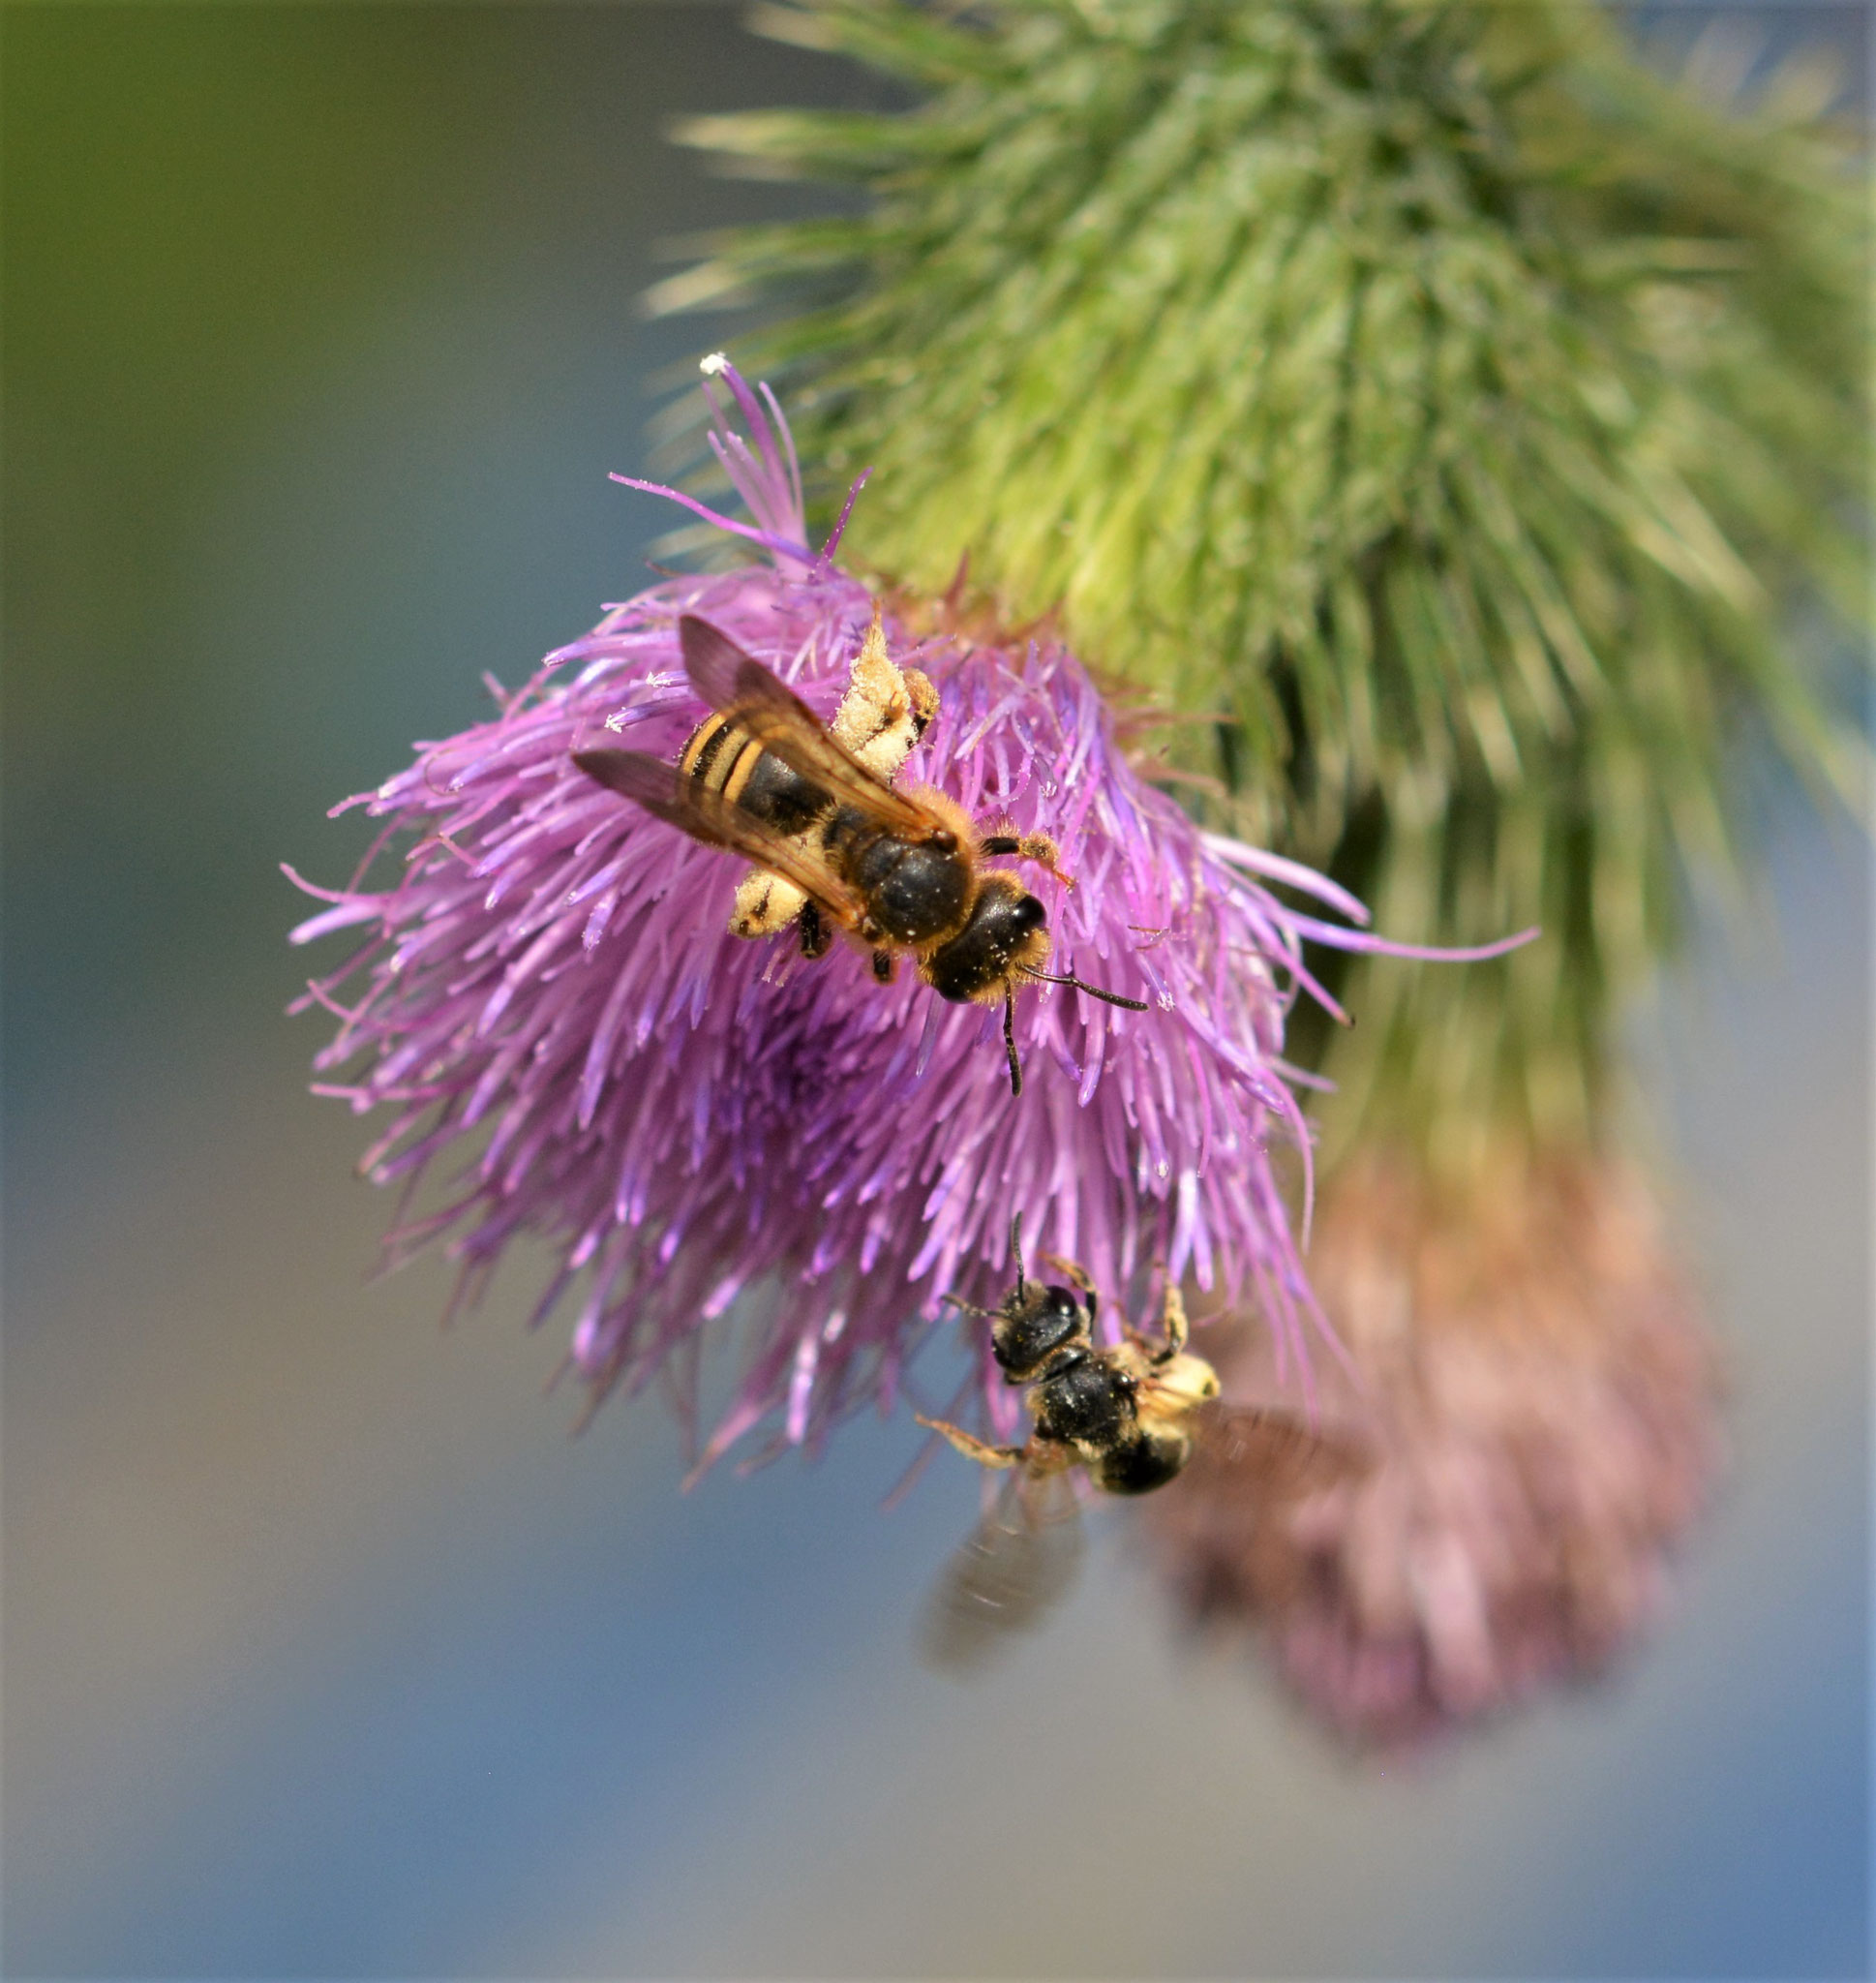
831,841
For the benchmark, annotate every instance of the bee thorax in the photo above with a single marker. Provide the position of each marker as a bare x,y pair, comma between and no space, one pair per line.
916,891
1087,1405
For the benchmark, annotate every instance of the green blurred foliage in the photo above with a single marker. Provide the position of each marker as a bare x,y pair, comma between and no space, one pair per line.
320,336
196,198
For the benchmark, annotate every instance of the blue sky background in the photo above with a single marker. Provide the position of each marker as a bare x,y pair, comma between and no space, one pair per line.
326,1652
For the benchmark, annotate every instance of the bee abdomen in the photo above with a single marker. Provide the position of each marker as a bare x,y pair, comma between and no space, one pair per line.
704,748
724,758
781,797
1142,1463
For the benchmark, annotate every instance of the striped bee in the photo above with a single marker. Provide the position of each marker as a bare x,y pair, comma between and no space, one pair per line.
831,841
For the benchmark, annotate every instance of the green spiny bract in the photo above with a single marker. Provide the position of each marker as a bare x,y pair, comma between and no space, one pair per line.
1428,389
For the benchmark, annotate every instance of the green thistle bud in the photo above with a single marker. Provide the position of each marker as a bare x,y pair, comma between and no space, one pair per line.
1451,406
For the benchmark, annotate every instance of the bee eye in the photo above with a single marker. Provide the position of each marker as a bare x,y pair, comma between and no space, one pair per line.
1028,913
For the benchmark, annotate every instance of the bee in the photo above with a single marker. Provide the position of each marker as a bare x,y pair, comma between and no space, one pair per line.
1129,1415
832,841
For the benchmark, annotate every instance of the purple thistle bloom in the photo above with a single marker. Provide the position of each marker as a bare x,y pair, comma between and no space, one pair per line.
551,999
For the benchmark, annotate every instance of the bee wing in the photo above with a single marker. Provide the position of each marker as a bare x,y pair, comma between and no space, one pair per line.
781,722
1014,1567
665,792
1285,1454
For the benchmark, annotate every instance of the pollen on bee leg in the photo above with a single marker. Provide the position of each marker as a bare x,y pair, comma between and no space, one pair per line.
764,905
925,699
883,713
1173,1327
1038,847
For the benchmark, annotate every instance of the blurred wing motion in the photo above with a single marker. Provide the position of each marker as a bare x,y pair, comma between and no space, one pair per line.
745,691
1286,1456
1012,1570
664,791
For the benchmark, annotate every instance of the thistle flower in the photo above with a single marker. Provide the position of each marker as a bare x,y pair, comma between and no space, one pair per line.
552,1002
1543,1400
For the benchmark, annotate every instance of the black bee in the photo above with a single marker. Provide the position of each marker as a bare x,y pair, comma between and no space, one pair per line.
1129,1414
813,807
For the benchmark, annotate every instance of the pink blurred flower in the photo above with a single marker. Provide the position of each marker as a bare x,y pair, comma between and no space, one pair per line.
551,1006
1542,1398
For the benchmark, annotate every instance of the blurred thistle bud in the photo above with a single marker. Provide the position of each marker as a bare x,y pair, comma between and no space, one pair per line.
1541,1399
550,1003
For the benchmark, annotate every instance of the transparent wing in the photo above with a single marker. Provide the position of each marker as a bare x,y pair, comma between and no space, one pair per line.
1018,1565
665,792
782,723
1280,1450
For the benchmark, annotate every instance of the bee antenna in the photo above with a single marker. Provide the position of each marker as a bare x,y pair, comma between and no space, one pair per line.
1093,991
1015,1249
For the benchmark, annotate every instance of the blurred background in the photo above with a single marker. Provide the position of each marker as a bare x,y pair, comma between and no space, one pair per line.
326,1651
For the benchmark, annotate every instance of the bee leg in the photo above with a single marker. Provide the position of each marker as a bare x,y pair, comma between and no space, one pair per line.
1077,1276
971,1447
1028,847
923,698
884,712
968,1307
1172,1326
764,905
1010,1041
815,936
885,966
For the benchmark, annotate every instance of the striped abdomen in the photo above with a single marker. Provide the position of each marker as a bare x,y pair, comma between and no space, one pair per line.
917,892
724,758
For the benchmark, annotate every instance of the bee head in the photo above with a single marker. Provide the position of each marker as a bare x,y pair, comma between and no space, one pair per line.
1007,932
1032,1326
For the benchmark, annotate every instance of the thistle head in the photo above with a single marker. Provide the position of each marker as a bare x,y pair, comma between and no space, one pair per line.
572,1043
